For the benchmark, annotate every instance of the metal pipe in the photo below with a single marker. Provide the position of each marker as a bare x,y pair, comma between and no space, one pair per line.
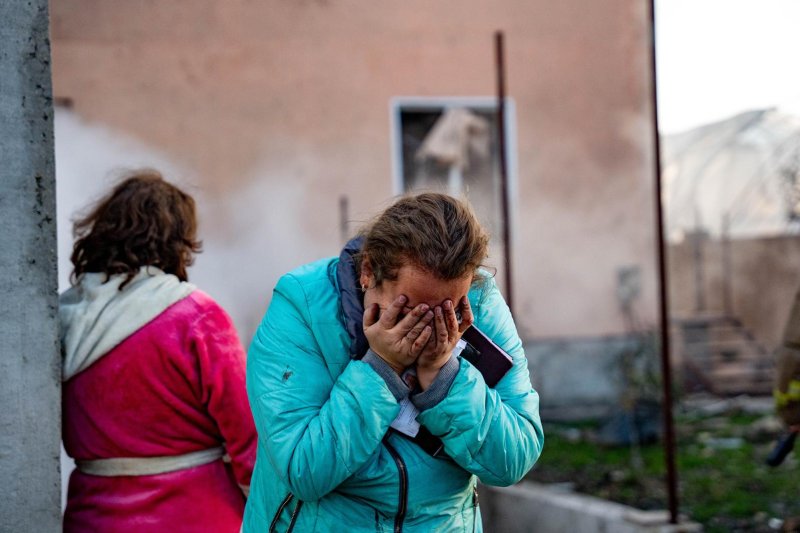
344,219
666,370
501,142
698,242
727,270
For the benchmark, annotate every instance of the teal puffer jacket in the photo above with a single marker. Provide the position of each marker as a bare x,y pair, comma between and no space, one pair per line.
326,458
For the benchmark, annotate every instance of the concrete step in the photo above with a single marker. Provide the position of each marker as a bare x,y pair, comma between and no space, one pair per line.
736,387
713,363
530,506
722,357
734,378
741,380
740,372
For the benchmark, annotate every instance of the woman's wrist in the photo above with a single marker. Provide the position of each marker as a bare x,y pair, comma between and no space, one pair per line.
439,386
426,374
397,367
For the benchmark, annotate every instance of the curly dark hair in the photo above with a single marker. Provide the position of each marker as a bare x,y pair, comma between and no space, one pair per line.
432,231
143,221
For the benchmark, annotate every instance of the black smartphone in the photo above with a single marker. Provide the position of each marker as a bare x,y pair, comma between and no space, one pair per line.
491,360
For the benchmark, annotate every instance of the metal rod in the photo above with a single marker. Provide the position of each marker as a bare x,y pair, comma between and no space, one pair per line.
344,222
698,242
501,142
727,270
666,369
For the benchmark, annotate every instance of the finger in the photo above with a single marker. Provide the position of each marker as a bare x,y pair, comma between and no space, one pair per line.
423,322
422,340
441,327
451,320
411,319
389,317
370,315
467,318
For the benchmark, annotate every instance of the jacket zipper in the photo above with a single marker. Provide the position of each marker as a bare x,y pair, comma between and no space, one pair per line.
474,507
282,506
294,515
401,469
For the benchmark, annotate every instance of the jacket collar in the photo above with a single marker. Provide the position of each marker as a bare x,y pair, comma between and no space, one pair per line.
351,297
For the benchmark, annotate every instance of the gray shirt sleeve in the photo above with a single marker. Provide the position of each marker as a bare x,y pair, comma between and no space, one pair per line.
440,386
395,383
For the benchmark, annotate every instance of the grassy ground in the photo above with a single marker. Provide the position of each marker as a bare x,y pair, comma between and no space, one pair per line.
723,481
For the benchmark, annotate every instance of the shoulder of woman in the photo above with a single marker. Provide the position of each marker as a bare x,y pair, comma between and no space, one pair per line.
309,280
206,308
203,302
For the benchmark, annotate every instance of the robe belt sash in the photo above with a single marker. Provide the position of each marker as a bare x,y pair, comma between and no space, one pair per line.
148,466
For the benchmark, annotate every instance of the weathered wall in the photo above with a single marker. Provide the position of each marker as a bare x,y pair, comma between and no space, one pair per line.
579,378
30,372
275,109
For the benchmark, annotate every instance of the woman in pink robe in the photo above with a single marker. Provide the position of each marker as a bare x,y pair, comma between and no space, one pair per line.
154,375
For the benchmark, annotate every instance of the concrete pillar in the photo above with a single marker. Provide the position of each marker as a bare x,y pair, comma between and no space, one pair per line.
30,383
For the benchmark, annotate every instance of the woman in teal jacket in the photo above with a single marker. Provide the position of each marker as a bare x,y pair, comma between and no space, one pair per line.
367,419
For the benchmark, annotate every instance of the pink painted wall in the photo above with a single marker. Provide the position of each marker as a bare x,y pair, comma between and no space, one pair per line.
279,107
